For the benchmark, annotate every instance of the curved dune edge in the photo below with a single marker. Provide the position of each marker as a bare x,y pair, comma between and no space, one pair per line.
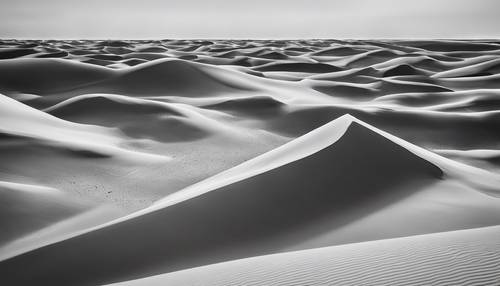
22,202
295,150
21,120
190,228
464,257
158,77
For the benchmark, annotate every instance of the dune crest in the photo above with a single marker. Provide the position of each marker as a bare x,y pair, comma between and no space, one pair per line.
190,228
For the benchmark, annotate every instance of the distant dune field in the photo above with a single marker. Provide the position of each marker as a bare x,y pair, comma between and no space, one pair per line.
241,162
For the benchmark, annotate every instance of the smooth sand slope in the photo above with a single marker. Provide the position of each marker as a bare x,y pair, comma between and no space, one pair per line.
125,159
464,257
21,203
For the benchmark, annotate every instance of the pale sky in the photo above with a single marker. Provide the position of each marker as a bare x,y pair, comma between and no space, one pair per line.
143,19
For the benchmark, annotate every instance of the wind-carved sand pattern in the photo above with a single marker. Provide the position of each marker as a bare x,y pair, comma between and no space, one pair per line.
238,162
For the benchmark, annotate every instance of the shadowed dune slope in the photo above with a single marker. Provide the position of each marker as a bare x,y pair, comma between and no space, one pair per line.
45,76
465,257
299,67
264,206
253,106
103,105
160,77
165,122
450,45
168,77
21,202
21,120
11,53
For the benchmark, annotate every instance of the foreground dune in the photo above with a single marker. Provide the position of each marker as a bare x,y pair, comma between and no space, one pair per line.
464,257
186,158
294,197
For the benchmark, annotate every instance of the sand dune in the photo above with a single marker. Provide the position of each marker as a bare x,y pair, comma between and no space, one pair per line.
166,122
44,76
21,203
179,77
191,228
376,160
299,67
465,257
19,119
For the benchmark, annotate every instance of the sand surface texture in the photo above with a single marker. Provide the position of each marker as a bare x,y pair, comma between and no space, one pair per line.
235,162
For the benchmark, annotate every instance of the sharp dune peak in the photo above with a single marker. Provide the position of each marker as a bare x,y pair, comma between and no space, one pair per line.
323,156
